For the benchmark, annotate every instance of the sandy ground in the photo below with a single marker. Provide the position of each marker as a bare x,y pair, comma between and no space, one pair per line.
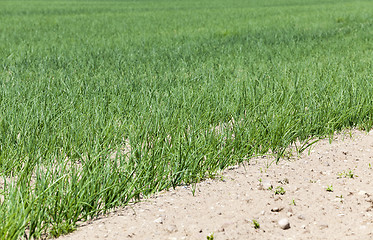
226,207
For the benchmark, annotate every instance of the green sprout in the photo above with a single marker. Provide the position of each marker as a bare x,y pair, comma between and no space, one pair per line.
329,188
280,191
210,237
256,224
345,174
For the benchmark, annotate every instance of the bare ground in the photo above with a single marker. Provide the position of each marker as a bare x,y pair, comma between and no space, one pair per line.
226,207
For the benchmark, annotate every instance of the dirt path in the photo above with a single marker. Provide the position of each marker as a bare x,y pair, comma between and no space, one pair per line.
225,207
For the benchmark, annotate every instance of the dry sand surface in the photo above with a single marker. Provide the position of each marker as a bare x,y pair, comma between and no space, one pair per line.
225,207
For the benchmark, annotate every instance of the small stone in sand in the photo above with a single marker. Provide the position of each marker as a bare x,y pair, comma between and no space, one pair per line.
284,223
277,209
323,226
301,217
159,220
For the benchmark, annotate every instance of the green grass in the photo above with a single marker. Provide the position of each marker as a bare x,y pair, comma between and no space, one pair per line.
180,89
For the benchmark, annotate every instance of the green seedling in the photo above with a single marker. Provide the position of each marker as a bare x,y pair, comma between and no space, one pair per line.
210,237
329,188
293,202
256,224
350,174
280,191
345,174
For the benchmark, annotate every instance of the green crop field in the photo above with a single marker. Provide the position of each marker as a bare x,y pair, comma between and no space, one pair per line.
104,102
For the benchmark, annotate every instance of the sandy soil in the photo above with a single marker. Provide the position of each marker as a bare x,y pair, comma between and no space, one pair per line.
226,207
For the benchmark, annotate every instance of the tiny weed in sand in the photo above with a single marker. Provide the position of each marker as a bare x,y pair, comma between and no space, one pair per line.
293,202
329,188
210,237
340,197
256,224
270,188
280,191
345,174
222,178
350,174
260,180
370,166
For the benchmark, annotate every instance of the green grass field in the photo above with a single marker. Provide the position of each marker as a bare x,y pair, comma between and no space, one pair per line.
177,89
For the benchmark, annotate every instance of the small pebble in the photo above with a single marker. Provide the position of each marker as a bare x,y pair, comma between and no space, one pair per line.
301,217
323,226
284,223
276,209
159,220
